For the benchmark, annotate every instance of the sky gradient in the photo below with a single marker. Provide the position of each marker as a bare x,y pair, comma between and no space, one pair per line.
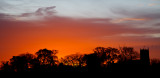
78,26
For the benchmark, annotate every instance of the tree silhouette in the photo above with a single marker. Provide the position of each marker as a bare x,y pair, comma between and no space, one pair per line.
5,67
155,64
100,52
155,61
47,57
101,60
128,53
95,60
22,62
112,55
74,60
107,55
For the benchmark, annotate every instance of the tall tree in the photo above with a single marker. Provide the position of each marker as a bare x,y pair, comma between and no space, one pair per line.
47,57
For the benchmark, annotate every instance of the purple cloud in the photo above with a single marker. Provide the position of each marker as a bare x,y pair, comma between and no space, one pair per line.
40,13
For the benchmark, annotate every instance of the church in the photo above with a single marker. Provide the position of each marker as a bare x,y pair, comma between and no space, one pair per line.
141,65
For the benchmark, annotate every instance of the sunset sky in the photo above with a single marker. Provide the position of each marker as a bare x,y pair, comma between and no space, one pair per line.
78,26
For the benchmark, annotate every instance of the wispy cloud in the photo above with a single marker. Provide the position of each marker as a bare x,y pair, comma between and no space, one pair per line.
134,36
129,19
153,35
39,14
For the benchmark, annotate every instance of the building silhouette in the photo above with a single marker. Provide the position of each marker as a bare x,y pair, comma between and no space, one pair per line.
138,65
144,56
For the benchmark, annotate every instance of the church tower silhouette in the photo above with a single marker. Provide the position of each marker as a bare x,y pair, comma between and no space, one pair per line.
144,56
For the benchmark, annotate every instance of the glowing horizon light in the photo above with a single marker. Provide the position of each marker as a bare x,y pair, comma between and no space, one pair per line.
77,26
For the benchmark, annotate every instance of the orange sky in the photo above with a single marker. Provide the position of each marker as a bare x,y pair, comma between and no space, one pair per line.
68,36
29,32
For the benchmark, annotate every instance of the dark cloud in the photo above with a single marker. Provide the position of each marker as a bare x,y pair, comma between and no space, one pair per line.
153,16
3,16
151,23
48,11
157,24
138,13
6,17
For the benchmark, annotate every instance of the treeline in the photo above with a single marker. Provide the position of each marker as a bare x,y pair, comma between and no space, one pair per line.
101,60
